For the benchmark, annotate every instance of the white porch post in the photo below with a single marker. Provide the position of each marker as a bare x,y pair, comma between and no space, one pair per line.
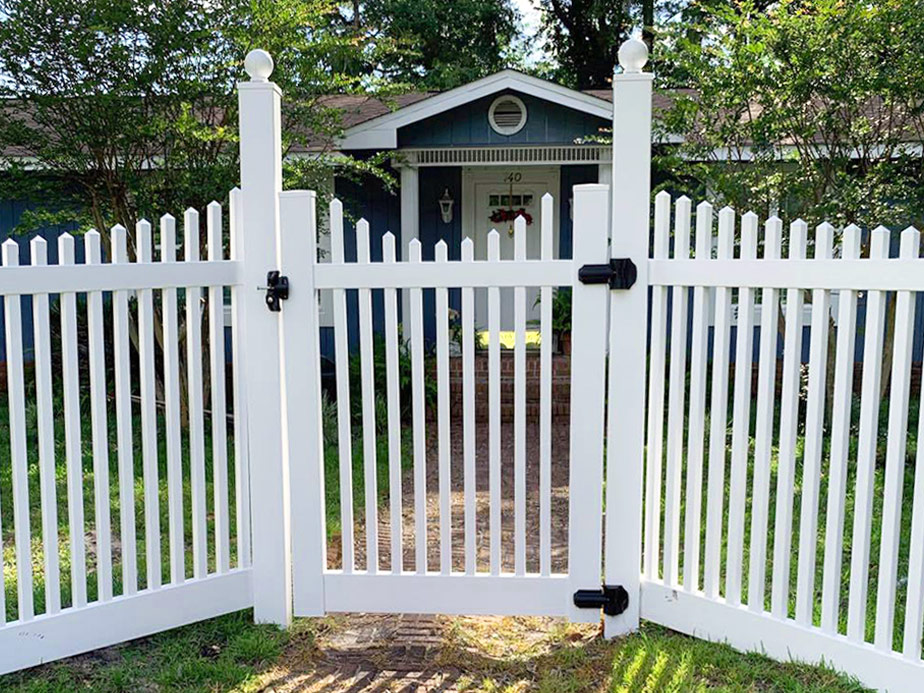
410,223
628,316
261,183
605,173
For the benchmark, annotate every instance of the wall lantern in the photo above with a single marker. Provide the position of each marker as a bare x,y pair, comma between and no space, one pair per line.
446,203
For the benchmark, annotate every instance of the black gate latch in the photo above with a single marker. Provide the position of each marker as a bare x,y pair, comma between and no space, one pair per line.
613,599
277,289
619,273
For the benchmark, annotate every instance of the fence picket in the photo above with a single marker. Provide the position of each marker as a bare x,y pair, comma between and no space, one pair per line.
676,397
718,413
18,456
545,399
814,435
468,406
367,383
840,440
766,396
655,448
789,415
419,416
914,603
341,364
123,405
239,367
219,419
494,405
394,410
519,406
442,415
697,418
46,435
741,419
99,426
149,455
172,409
194,400
896,446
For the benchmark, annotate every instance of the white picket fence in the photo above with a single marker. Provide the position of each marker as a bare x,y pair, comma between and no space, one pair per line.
91,591
705,578
727,561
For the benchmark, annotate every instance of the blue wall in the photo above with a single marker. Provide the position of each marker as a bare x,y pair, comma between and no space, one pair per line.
467,125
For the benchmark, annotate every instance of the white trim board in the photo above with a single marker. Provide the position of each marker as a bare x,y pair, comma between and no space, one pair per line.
382,132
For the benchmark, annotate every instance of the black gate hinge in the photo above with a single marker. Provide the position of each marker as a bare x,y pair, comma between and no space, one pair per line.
619,273
277,290
613,599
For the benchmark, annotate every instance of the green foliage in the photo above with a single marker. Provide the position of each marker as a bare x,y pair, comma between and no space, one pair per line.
561,309
821,97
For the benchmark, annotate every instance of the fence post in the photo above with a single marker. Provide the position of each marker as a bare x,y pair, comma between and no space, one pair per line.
261,183
628,332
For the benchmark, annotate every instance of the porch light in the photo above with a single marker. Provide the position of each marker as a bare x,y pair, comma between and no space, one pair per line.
446,203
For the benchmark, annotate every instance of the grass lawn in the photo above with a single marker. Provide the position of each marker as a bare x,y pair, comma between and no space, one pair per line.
231,653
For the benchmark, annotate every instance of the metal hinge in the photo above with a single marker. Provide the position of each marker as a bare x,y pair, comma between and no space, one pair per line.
277,290
613,599
619,273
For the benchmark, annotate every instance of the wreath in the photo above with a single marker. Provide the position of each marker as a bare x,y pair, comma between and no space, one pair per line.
499,216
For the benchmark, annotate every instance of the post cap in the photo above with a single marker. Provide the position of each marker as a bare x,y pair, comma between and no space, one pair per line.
633,55
259,65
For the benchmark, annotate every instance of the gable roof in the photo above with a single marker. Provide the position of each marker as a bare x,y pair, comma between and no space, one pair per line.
381,132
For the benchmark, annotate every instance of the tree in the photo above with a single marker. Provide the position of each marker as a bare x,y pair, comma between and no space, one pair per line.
437,44
121,110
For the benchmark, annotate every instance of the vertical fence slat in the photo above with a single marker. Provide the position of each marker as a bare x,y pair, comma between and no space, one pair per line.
194,400
18,457
216,297
172,409
149,455
238,367
394,410
519,407
655,448
676,397
46,435
123,404
718,413
442,416
840,440
341,363
545,399
914,604
100,427
814,436
766,396
896,447
494,405
697,419
419,416
789,416
468,404
741,419
368,404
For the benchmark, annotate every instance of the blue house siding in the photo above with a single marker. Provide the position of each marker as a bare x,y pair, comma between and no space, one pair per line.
467,125
570,176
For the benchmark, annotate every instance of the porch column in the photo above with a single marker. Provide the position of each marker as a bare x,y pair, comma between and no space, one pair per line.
410,223
605,173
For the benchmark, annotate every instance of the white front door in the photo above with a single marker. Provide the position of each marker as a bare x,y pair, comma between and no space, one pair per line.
497,191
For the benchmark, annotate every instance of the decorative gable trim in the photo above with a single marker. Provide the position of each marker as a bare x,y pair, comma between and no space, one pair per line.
506,156
382,132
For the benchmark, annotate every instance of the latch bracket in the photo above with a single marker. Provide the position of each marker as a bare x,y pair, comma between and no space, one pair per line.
277,290
613,599
619,273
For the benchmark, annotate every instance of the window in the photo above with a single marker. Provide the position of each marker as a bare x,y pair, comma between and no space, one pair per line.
507,115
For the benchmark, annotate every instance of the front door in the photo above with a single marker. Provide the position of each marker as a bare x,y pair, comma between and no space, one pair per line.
492,196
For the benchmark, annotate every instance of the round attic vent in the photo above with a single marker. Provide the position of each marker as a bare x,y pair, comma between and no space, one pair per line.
507,115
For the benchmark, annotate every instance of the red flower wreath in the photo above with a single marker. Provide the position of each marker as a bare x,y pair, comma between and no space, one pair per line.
499,216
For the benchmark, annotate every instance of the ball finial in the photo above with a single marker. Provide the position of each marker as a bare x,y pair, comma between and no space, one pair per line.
633,54
259,65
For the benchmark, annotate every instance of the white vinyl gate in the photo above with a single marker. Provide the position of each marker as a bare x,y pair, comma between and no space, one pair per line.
692,529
